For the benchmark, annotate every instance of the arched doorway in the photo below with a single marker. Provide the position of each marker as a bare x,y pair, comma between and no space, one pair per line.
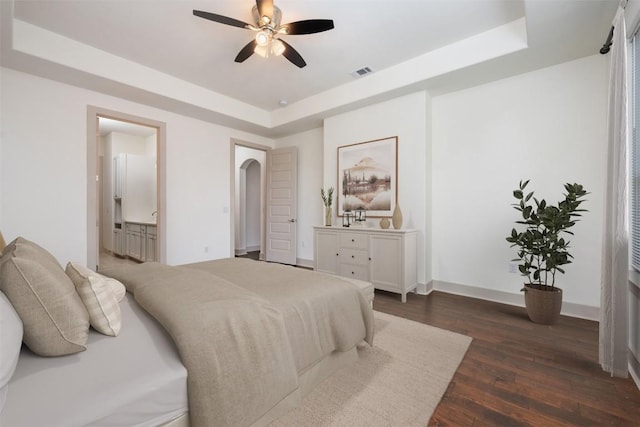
249,207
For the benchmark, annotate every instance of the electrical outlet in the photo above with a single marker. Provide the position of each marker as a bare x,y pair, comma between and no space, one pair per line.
206,249
513,267
302,243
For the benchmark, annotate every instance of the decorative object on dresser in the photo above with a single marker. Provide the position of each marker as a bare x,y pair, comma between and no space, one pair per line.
327,200
386,258
367,177
385,223
397,217
346,219
360,217
542,249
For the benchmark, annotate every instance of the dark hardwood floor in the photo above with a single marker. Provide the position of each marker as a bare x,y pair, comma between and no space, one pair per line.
518,373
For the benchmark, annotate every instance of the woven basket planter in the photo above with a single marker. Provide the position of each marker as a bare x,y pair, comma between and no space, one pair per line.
543,306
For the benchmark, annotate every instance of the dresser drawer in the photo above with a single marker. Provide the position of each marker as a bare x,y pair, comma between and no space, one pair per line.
359,272
354,240
354,256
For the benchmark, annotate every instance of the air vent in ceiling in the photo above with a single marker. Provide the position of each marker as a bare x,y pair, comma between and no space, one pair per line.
361,72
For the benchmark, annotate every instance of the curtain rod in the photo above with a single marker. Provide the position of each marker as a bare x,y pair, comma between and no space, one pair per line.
606,47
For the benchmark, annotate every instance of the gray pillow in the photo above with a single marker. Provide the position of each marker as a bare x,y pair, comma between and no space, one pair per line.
10,343
54,318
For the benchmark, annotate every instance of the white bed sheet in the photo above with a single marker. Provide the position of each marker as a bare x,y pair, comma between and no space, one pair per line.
135,379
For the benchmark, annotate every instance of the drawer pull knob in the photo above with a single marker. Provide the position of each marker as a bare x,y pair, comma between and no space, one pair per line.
337,254
353,272
353,240
352,256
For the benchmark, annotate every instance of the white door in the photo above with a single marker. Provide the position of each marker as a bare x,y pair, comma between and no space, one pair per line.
281,205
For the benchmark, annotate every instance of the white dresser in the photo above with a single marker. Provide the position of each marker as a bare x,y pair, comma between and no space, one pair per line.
386,258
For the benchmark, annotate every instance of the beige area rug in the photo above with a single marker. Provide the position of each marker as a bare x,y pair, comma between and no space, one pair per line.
397,382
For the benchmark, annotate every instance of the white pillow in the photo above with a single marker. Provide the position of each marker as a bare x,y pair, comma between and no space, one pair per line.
10,343
98,297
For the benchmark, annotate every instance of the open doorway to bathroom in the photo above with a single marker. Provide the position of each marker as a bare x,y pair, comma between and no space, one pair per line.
125,190
129,197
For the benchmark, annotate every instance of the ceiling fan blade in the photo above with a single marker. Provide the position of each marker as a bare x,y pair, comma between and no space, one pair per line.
292,55
309,26
246,51
265,7
221,19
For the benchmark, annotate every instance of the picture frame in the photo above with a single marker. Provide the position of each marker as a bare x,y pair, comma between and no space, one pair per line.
368,177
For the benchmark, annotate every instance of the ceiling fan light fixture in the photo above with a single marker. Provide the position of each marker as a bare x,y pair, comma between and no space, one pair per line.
262,51
262,38
266,25
277,47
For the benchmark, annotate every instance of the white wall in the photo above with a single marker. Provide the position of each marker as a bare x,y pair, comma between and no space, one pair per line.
548,126
140,187
310,207
406,118
44,167
254,205
151,145
131,144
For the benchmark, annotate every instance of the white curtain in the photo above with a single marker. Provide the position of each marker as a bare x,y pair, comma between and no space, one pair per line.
615,249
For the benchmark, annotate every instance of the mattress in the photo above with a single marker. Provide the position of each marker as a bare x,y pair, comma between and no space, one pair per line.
135,379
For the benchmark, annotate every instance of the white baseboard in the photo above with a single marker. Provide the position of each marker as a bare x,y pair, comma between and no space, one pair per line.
253,248
568,308
424,288
301,262
634,369
241,251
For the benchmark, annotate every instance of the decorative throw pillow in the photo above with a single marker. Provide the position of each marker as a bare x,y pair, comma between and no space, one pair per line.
98,298
10,343
2,243
53,316
119,290
117,287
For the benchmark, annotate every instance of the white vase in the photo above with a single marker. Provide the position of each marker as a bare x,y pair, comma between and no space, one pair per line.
384,223
396,219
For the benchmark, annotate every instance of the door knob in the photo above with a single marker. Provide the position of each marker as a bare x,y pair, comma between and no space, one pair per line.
292,220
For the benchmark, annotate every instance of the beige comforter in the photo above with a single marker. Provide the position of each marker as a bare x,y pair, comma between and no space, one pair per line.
245,329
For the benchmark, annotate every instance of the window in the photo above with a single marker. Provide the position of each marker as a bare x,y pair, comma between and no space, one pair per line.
635,156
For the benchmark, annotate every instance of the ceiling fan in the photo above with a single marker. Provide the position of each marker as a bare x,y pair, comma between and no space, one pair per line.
268,29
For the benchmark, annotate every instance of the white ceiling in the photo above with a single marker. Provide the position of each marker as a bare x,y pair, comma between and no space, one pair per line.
390,36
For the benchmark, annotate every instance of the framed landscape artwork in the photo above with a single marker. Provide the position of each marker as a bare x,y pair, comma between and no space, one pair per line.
368,177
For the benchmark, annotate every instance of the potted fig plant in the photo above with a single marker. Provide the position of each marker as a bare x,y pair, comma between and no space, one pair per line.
543,250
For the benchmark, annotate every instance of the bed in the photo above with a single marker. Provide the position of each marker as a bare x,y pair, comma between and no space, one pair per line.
136,379
225,342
